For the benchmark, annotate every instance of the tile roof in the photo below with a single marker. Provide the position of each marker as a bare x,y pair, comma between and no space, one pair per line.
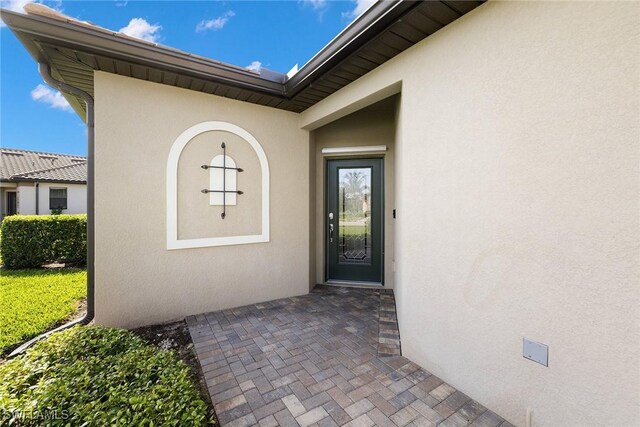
25,165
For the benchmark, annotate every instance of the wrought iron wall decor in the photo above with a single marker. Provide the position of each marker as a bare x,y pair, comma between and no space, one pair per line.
224,190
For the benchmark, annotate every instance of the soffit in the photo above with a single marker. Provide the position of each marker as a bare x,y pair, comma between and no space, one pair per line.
74,51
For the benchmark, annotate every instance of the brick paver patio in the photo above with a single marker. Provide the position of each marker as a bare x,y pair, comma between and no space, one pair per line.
330,358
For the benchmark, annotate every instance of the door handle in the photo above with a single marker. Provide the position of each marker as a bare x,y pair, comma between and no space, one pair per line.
330,233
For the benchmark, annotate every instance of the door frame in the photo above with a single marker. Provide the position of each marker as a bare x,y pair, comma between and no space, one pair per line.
325,215
15,193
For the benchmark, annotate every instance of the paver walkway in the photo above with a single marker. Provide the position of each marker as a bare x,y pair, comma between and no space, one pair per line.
322,359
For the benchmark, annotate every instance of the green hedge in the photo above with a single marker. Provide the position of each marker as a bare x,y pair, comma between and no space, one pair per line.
28,241
95,376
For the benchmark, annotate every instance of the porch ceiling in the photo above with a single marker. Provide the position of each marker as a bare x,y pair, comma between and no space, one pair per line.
74,50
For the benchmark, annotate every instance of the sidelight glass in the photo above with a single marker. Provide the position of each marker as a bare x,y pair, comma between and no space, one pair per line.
354,217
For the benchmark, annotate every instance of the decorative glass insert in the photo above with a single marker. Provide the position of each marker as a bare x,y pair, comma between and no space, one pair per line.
354,216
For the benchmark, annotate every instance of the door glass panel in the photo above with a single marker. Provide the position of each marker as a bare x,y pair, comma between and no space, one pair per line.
354,217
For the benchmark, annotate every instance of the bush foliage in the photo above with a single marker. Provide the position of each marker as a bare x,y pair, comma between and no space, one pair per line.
95,376
28,241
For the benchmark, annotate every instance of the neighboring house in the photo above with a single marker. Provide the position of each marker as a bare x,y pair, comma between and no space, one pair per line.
479,159
37,183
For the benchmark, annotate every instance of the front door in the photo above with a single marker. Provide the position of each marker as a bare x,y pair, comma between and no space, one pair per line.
354,220
12,206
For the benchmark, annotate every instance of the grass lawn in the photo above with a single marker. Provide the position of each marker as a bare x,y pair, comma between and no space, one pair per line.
352,230
32,301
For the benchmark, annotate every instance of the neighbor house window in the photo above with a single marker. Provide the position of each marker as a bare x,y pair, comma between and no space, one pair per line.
57,198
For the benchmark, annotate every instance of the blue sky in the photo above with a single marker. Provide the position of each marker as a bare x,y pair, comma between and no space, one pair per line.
271,34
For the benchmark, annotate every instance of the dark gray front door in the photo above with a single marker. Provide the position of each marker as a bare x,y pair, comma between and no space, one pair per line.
354,220
12,206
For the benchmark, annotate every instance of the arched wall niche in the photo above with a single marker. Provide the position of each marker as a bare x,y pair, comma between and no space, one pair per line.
175,239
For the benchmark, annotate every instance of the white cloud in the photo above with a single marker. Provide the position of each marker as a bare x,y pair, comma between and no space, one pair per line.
216,23
254,66
361,6
120,3
14,6
18,6
141,29
318,6
315,4
42,93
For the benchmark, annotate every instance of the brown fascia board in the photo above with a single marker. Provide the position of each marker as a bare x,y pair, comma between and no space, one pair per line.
62,181
32,28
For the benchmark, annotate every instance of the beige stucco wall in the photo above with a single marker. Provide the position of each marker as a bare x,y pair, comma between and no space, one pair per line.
196,217
371,126
518,206
138,281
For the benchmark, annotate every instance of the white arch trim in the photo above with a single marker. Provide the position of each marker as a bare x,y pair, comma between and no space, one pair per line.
172,188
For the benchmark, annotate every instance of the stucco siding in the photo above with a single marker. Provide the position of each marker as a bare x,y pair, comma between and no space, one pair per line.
517,164
76,197
139,281
26,199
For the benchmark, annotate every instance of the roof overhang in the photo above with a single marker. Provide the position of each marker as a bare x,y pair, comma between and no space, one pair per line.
74,50
61,181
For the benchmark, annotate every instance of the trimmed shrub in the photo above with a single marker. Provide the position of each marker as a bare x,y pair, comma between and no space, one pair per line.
96,376
28,241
